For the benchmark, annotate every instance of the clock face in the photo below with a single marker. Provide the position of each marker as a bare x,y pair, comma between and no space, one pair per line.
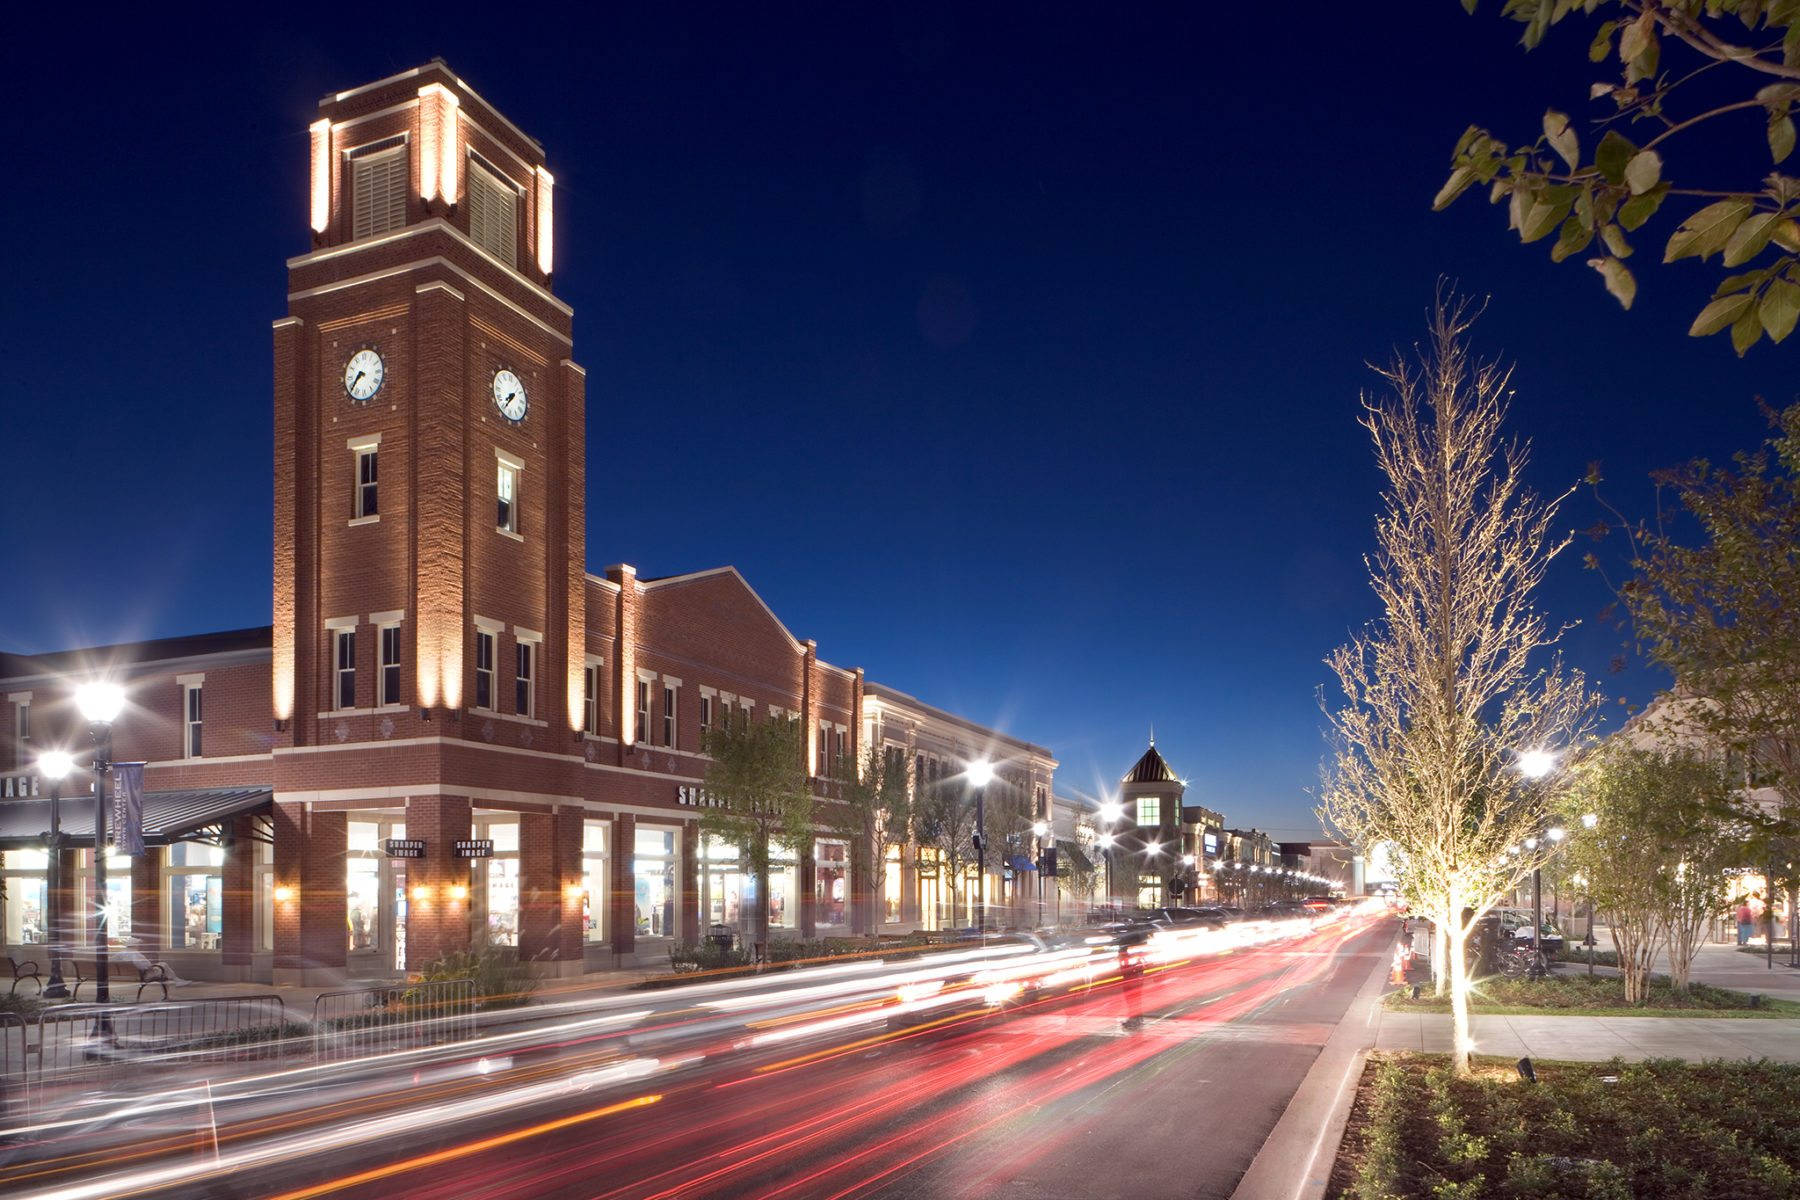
509,396
363,375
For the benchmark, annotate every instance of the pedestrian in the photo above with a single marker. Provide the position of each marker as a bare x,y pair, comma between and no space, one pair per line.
1746,921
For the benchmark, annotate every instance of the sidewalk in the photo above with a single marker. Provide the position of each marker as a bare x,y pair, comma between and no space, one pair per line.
1596,1039
1724,965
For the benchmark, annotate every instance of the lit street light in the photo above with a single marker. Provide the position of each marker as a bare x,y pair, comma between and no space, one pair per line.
55,765
980,774
100,703
1536,764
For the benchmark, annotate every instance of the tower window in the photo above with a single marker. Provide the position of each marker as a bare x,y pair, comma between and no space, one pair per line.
366,503
484,669
378,187
1149,811
346,668
493,212
390,664
506,515
23,728
524,696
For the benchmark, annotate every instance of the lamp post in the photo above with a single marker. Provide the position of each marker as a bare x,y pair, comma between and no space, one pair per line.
1111,812
1040,830
981,773
55,765
1537,764
100,703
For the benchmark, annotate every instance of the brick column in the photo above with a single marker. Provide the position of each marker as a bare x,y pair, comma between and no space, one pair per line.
568,938
540,887
624,666
624,918
690,881
146,900
237,942
310,934
65,921
437,920
806,879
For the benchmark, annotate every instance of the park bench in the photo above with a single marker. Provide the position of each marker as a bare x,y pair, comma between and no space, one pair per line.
24,968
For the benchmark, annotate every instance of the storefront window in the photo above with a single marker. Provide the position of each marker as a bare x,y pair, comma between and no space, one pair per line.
1150,890
24,907
721,882
890,886
500,887
655,895
931,889
118,893
362,886
784,888
831,882
265,896
595,836
195,891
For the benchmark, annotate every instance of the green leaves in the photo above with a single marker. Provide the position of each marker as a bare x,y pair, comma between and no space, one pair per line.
1562,138
1635,211
1619,279
1779,308
1750,238
1643,172
1705,233
1719,314
1613,155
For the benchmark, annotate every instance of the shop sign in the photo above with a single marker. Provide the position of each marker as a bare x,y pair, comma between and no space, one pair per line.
404,847
475,848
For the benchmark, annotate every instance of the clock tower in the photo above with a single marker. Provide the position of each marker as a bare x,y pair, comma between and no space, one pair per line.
429,469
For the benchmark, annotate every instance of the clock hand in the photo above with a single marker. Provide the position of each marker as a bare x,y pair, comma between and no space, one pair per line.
357,380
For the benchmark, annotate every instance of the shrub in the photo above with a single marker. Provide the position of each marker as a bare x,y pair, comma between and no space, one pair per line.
501,980
22,1006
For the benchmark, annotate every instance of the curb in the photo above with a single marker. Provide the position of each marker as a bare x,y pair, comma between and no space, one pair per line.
1295,1161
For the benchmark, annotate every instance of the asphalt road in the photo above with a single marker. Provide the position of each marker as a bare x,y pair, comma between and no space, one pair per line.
1164,1084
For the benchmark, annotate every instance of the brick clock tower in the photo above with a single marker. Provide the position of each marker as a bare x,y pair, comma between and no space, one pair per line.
429,480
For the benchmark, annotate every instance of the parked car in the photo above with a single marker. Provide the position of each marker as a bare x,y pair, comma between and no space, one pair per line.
1188,918
1516,922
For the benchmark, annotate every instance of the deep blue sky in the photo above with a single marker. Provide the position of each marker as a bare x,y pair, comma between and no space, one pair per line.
1014,356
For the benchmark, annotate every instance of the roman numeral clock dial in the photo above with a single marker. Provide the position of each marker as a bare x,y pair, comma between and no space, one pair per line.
509,396
363,375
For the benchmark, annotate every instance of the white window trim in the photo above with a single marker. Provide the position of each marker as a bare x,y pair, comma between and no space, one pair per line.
391,617
646,676
490,626
363,441
334,624
522,634
596,664
493,629
529,647
382,623
194,683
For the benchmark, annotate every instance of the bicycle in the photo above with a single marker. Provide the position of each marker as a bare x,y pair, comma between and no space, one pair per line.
1524,962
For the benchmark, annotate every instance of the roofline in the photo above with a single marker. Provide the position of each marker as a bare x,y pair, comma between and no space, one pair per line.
691,576
116,654
882,691
414,73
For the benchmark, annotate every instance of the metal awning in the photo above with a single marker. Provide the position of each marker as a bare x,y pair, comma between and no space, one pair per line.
168,816
1019,862
1069,852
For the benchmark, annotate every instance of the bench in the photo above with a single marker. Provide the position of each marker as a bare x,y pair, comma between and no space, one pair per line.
24,968
153,974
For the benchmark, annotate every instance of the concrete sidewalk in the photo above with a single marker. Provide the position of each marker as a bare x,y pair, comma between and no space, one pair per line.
1596,1039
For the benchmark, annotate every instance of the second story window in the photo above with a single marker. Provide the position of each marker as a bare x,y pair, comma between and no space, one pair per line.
190,720
705,716
590,698
484,669
23,727
1149,811
378,186
524,696
365,503
346,668
668,716
643,711
506,516
390,664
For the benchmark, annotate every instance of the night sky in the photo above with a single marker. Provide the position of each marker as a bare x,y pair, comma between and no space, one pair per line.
1013,355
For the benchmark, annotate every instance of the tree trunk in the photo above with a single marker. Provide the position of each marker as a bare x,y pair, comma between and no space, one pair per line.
1461,1043
1793,897
1440,956
759,925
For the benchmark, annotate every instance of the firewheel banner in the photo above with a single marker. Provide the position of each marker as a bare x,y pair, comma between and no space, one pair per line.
128,807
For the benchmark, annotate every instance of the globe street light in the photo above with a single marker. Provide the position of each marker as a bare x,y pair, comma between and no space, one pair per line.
55,766
100,702
1535,764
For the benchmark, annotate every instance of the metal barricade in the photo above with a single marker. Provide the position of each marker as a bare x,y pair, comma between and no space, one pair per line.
76,1045
12,1064
401,1016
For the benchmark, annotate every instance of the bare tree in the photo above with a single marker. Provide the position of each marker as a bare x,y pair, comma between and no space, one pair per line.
874,813
1442,693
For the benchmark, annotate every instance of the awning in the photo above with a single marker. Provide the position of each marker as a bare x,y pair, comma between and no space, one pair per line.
1019,862
1068,852
168,816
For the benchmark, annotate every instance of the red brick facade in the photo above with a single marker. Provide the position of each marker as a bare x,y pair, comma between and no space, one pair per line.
445,313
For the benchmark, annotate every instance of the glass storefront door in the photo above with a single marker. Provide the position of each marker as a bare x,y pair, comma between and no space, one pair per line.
656,893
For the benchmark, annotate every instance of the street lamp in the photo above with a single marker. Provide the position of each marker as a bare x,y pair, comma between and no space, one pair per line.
981,773
55,766
1535,764
100,702
1040,830
1106,847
